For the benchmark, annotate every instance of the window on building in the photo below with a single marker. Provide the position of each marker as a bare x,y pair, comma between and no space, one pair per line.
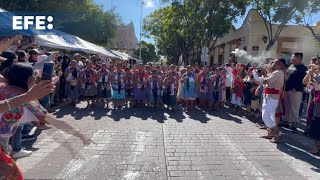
255,48
220,59
211,61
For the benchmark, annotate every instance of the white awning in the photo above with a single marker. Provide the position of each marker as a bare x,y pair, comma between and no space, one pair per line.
54,38
123,56
60,40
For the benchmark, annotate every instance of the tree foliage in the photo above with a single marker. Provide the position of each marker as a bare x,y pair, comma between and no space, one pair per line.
186,24
148,53
82,18
305,16
282,12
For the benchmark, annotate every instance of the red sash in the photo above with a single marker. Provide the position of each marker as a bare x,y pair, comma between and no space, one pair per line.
267,90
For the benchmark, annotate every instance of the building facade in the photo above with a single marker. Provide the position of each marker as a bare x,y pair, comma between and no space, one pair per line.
252,38
125,39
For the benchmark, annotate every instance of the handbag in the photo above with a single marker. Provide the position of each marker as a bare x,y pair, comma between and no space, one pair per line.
255,104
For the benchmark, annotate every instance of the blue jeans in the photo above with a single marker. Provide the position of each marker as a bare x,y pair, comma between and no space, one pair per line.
45,102
16,140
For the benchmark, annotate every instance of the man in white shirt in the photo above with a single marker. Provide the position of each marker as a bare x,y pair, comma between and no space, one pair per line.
229,81
77,57
271,94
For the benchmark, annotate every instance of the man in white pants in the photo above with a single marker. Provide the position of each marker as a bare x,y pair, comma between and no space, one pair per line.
271,94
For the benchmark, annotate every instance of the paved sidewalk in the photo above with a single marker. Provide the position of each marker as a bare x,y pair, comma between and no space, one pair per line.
139,143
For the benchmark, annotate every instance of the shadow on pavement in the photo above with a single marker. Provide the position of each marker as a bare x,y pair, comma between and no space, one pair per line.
143,113
224,113
198,115
66,128
176,115
297,146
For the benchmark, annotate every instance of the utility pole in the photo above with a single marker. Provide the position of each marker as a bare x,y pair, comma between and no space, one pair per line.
140,30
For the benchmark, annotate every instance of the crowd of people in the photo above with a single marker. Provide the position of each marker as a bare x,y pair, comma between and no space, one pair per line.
273,92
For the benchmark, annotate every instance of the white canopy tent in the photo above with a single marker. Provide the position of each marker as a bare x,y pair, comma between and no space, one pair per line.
54,38
126,57
123,56
60,40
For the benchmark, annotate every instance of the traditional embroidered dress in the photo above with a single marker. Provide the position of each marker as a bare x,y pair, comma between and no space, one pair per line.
88,86
9,121
129,85
140,91
170,92
72,91
189,87
204,86
104,88
222,94
237,91
247,95
154,91
313,114
216,92
118,85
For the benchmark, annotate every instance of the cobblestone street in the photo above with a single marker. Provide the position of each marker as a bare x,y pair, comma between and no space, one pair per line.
142,144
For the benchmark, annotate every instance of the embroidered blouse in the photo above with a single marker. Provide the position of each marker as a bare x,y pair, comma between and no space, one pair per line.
24,114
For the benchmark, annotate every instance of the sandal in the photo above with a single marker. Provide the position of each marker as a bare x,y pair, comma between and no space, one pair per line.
277,135
269,135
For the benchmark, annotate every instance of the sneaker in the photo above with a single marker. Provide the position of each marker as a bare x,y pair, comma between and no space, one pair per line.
28,138
21,154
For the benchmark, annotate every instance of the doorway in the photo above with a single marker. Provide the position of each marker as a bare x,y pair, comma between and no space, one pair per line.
220,59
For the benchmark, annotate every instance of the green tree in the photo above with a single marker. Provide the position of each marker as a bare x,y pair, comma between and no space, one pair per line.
163,26
82,18
305,18
281,12
186,24
148,53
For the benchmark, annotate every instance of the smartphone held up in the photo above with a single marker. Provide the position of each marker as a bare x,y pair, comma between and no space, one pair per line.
47,71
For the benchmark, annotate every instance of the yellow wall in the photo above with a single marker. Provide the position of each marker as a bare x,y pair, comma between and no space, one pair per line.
253,30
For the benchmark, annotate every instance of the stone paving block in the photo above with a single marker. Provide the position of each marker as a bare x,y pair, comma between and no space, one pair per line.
183,178
173,163
184,167
177,173
172,168
175,158
236,177
185,162
191,173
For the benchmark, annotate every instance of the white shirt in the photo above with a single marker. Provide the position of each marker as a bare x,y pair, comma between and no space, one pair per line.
79,64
